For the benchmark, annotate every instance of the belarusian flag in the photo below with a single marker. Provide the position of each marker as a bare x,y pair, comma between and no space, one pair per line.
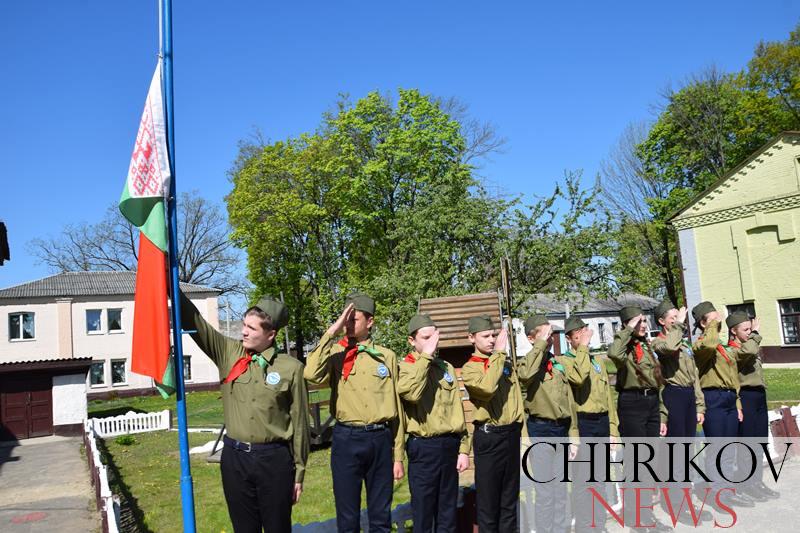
143,203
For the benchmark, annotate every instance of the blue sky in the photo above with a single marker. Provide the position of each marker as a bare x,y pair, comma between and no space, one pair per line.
559,80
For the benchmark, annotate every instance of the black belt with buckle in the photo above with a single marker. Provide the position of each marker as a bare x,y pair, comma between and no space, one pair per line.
643,392
252,446
592,416
489,428
378,426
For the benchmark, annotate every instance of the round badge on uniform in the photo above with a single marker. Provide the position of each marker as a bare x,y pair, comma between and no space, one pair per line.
447,377
382,370
596,367
273,378
506,371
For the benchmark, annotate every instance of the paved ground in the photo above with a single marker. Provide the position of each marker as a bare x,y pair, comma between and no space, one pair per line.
44,486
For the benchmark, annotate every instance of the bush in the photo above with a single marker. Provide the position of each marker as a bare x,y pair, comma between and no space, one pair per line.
125,440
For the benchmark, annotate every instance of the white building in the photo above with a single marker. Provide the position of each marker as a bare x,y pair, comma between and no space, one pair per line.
54,329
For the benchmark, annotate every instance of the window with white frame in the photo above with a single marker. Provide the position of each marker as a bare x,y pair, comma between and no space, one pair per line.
790,320
97,373
21,326
114,320
94,321
118,376
187,368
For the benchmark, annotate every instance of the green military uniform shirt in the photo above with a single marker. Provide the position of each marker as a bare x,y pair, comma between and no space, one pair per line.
633,374
368,395
431,398
677,362
591,388
716,363
261,405
548,393
493,389
748,361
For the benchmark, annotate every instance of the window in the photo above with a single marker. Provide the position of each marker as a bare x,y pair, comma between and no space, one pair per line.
187,368
118,372
614,326
20,326
748,308
790,320
97,373
601,330
93,324
114,320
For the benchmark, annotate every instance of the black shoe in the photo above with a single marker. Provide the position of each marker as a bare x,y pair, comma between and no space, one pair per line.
754,493
737,500
766,491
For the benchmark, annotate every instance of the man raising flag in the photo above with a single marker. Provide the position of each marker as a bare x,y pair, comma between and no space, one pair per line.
143,203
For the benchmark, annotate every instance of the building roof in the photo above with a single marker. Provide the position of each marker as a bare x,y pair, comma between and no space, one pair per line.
59,364
682,212
86,284
555,307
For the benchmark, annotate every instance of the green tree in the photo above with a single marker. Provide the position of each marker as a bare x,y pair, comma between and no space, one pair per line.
775,71
381,198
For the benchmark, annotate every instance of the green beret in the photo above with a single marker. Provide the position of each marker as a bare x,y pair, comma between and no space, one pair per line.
480,323
702,309
734,319
361,302
573,323
276,311
533,322
419,321
664,308
628,312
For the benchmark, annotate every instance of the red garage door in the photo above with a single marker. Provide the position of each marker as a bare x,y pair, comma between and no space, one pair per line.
26,406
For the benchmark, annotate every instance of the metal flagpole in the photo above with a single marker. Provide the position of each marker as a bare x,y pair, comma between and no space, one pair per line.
165,46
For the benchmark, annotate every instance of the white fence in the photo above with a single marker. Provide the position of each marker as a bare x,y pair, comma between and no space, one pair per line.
131,422
107,503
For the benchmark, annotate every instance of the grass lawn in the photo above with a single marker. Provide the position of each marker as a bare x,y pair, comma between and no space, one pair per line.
783,386
146,477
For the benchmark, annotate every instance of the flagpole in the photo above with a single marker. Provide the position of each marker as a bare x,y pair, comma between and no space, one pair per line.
165,45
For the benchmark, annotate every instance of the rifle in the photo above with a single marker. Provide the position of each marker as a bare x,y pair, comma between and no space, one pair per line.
505,282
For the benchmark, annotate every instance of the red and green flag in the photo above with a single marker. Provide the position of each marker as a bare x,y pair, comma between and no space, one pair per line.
143,203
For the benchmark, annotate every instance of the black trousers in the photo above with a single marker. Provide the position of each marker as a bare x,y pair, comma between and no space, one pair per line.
258,487
755,423
362,456
497,469
589,516
550,507
639,417
721,423
682,407
433,482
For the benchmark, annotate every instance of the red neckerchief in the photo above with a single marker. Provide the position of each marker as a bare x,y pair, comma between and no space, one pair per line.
732,343
721,349
410,358
639,351
239,367
485,361
351,351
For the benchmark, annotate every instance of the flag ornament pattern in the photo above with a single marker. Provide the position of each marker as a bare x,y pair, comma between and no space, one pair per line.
143,203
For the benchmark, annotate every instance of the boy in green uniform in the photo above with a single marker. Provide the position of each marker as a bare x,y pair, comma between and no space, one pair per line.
438,442
494,390
551,414
368,436
597,417
682,395
265,405
719,379
744,342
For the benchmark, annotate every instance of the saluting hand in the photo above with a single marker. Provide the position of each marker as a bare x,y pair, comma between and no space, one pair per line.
462,463
502,340
430,344
681,316
755,324
586,337
544,332
633,323
338,326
